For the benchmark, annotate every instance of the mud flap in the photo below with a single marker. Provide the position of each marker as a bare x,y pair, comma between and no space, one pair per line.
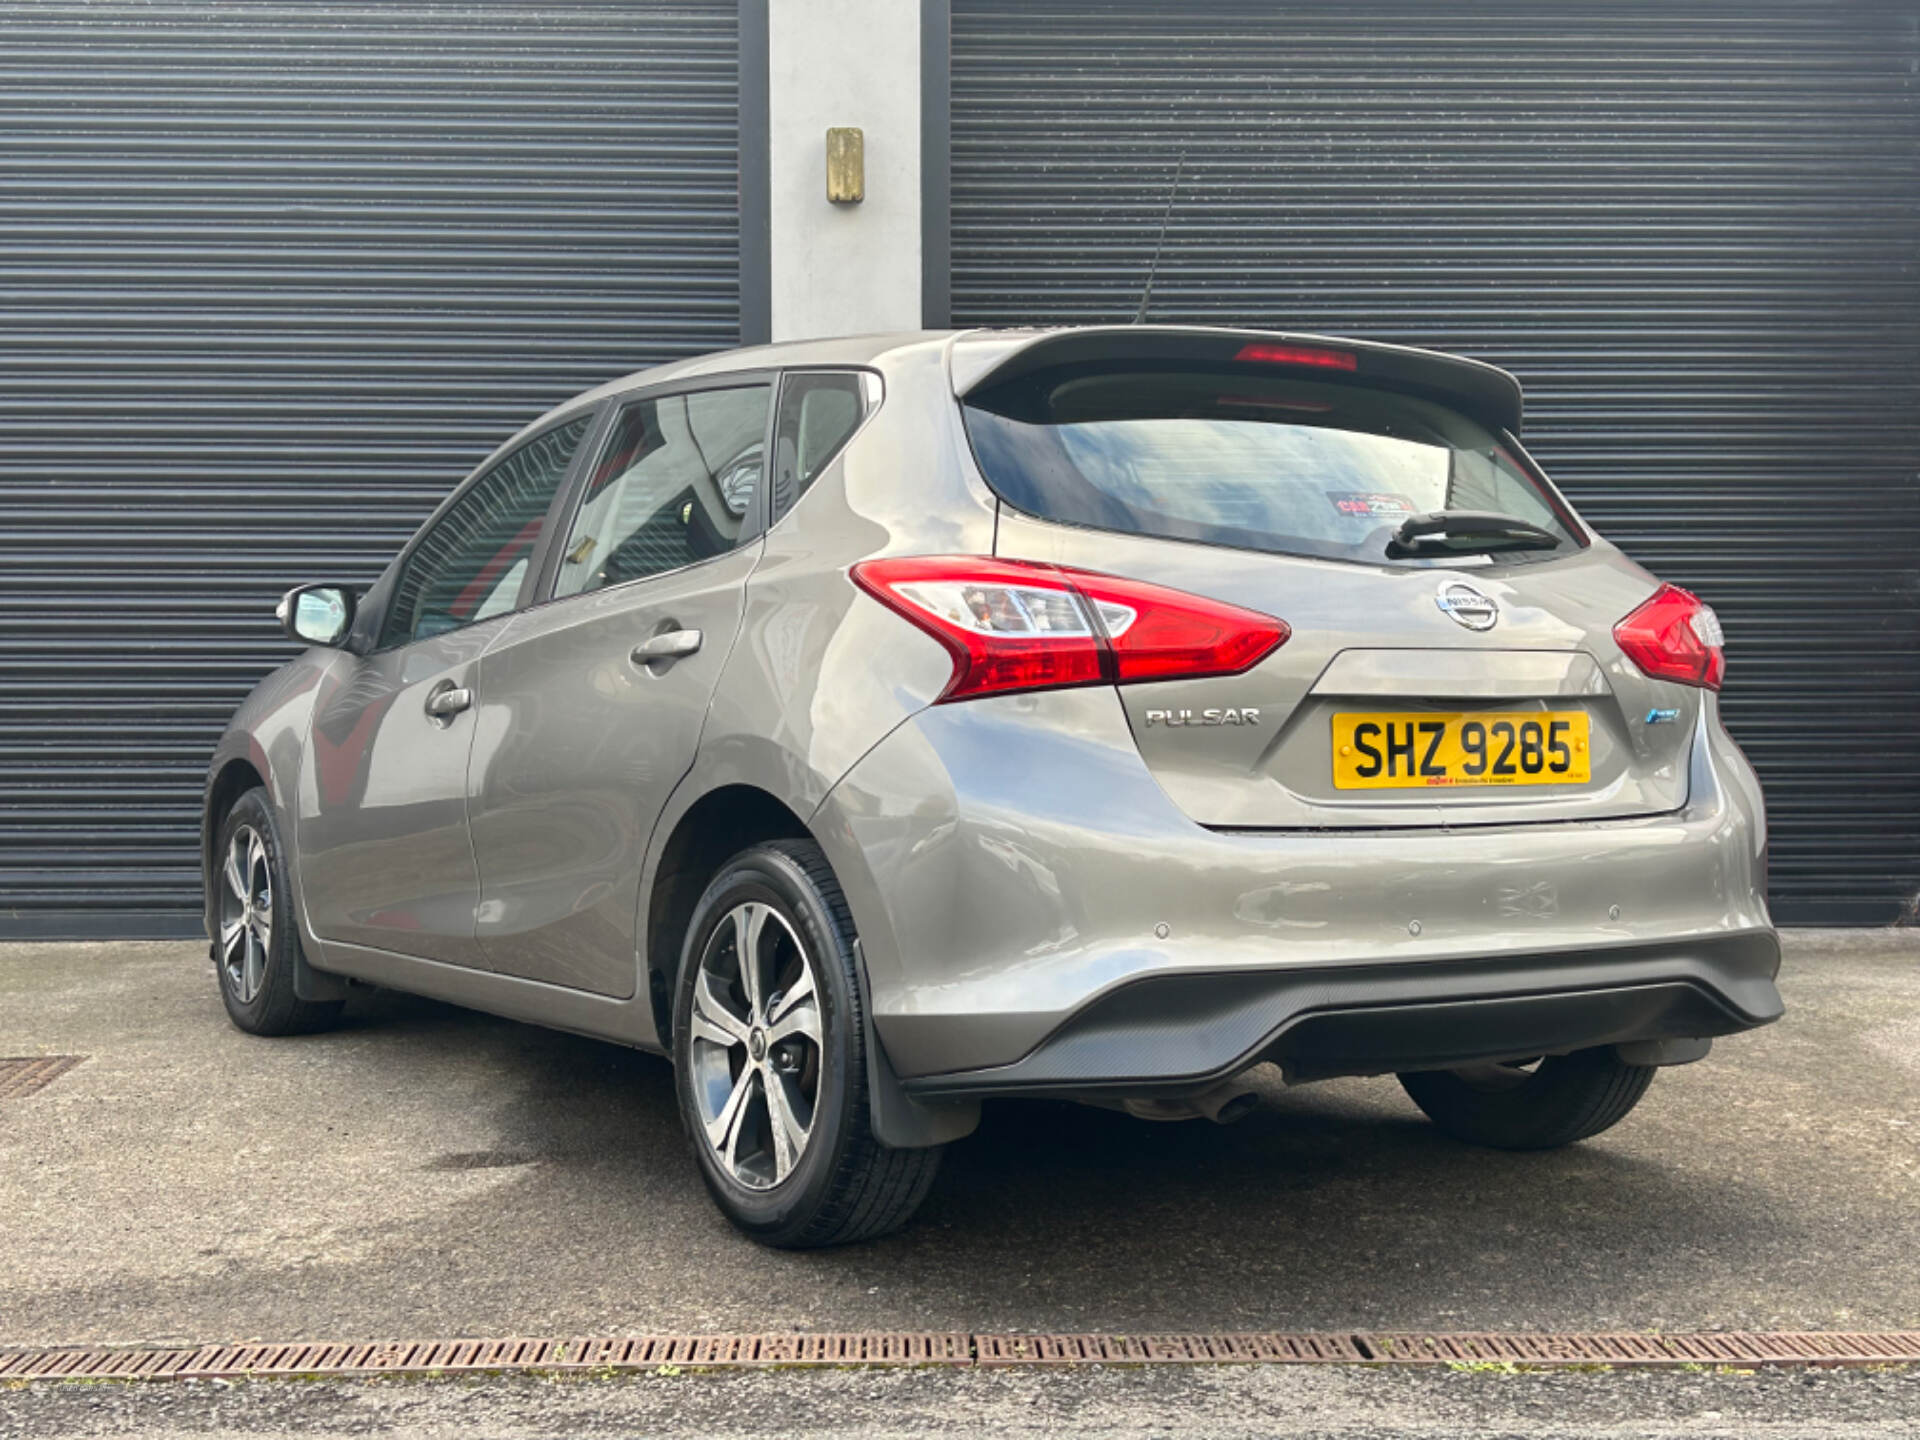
900,1121
308,983
312,984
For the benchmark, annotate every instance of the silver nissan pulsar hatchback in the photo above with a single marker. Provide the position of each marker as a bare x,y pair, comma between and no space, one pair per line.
878,725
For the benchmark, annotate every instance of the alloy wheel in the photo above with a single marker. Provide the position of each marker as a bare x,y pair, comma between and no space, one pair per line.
755,1046
246,913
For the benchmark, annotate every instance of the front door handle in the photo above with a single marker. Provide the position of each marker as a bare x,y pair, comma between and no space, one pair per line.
445,704
672,645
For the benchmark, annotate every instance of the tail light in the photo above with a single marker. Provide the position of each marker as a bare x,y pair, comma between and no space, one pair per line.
1312,355
1011,625
1673,636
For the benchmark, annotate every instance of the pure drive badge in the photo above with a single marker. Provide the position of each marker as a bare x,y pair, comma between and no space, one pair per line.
1246,715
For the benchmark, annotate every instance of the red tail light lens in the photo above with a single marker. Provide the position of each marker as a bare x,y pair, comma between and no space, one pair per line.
1673,636
1167,634
1011,625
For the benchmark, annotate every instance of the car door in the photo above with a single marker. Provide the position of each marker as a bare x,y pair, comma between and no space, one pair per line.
384,855
591,708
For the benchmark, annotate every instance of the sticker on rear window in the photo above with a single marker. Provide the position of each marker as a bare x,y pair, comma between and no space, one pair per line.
1372,504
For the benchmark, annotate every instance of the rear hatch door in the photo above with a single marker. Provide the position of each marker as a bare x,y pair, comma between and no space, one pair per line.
1440,687
1257,750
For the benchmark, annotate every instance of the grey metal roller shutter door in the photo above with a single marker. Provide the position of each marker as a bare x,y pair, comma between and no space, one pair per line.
272,277
1692,228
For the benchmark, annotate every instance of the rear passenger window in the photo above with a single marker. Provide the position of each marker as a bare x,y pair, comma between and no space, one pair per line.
672,487
818,415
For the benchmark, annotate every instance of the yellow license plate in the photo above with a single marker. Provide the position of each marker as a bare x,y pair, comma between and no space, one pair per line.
1397,751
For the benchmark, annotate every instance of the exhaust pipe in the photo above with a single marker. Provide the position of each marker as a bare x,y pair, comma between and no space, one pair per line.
1223,1104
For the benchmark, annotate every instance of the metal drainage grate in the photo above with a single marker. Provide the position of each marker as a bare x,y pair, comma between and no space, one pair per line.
427,1357
1742,1349
29,1073
1273,1349
735,1352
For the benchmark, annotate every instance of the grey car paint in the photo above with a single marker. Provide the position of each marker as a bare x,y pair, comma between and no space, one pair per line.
1277,772
578,743
1007,861
1087,859
381,831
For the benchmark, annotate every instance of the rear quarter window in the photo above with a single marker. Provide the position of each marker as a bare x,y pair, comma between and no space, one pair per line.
819,413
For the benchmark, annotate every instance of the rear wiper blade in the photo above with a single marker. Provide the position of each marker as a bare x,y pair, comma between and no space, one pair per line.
1467,532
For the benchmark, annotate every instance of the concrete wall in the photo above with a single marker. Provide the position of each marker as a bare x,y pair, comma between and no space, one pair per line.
843,269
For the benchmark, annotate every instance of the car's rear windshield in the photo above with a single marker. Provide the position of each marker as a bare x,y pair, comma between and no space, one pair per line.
1253,461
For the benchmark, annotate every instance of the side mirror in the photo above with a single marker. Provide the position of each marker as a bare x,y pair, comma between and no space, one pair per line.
316,614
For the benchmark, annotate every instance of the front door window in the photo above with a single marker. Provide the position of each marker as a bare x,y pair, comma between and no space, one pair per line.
469,566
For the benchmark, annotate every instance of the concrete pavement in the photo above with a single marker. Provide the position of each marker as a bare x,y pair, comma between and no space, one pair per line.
427,1171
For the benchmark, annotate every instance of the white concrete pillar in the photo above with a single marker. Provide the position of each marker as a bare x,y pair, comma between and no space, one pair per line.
842,269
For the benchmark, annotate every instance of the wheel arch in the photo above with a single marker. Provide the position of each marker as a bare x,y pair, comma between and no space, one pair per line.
712,830
226,783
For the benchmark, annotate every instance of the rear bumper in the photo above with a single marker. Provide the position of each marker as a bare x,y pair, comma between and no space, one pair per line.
1036,913
1168,1034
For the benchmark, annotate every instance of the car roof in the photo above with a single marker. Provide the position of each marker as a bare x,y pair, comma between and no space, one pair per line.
839,350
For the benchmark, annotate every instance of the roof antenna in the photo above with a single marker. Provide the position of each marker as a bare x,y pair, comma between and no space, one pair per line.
1146,294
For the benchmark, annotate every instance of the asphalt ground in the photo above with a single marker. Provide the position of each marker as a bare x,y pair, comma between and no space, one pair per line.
1169,1404
426,1171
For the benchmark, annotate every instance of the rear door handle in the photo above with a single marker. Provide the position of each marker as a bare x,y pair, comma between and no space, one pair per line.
673,645
445,704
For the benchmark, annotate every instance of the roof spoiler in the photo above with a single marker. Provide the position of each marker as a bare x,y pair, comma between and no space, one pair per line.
1490,395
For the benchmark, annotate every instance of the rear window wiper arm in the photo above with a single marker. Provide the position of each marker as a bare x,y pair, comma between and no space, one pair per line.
1467,532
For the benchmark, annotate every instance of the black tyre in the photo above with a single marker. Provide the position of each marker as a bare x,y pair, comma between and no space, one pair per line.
769,1058
1531,1106
258,938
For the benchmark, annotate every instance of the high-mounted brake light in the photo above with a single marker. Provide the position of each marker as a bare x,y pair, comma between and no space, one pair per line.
1011,625
1299,355
1673,636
